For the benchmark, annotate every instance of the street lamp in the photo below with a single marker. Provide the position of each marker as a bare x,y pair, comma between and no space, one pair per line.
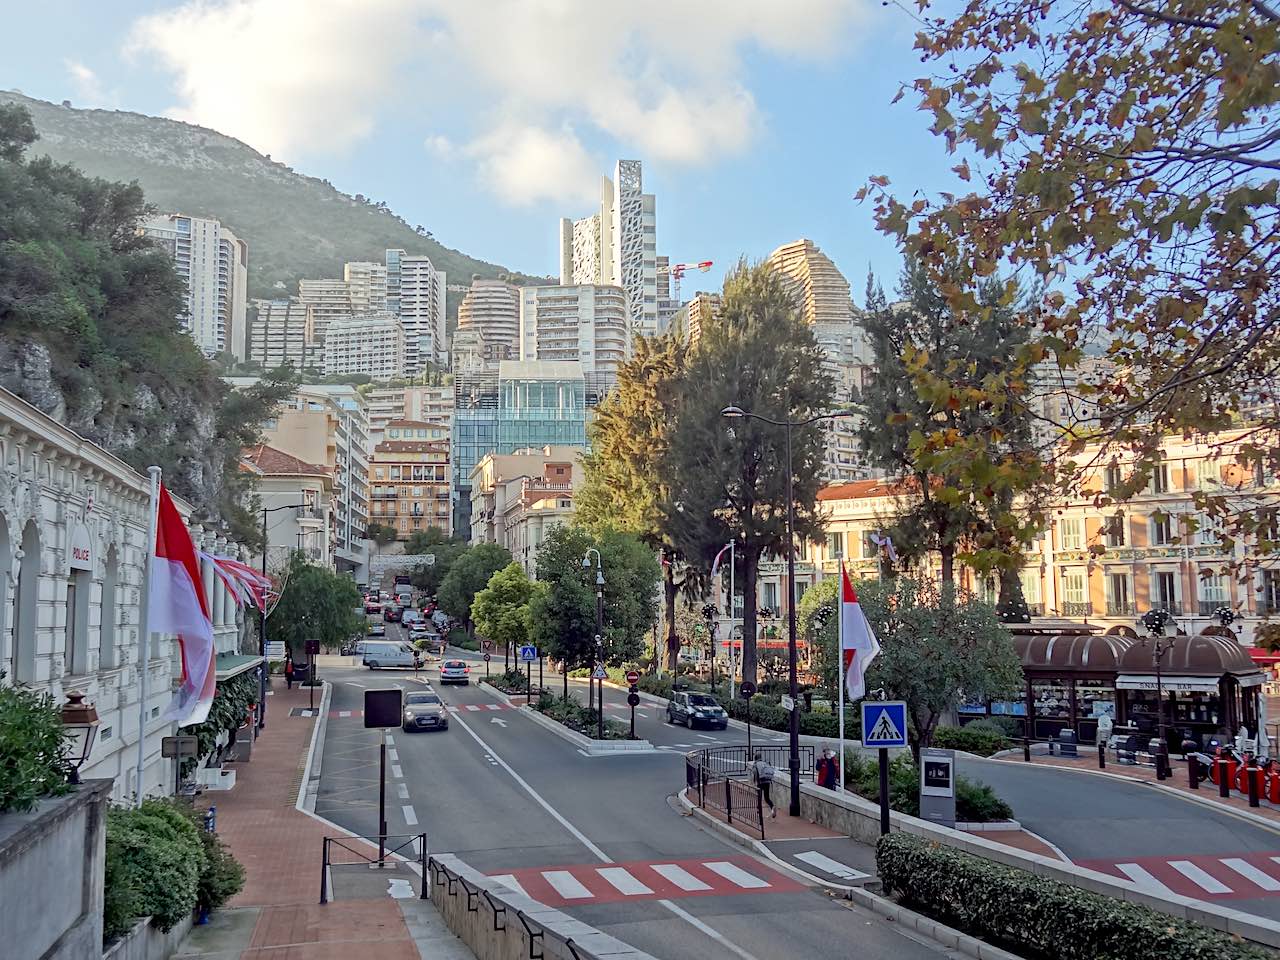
736,413
586,565
80,726
262,617
1155,622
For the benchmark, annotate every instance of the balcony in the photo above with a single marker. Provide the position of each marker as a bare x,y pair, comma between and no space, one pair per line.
1172,607
1073,608
1121,608
1206,607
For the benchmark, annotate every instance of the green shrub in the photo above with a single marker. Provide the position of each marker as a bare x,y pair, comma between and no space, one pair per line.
656,685
222,877
155,859
980,740
513,681
1007,726
571,713
31,738
975,802
229,709
1038,917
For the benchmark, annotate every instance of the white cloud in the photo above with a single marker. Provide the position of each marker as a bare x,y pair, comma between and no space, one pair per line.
88,88
666,80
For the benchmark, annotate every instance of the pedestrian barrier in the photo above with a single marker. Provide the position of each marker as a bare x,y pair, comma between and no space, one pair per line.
719,778
343,851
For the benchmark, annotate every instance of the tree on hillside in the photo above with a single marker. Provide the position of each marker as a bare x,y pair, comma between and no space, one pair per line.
501,609
946,412
625,480
467,576
315,604
1128,151
728,478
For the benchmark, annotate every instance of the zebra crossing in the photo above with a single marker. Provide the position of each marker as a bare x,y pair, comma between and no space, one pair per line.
452,708
570,885
1203,877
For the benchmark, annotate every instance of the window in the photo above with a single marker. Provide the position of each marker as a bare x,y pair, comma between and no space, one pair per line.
1161,530
1271,591
1164,591
1119,597
1071,533
869,548
1160,478
1030,587
835,546
1113,530
769,595
1073,586
69,651
1213,593
1113,477
107,613
1208,474
377,474
1209,530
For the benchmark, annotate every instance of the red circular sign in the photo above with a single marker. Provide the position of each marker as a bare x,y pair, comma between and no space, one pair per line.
632,676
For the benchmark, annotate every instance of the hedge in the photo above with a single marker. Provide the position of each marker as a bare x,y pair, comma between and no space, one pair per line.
1038,917
984,742
571,713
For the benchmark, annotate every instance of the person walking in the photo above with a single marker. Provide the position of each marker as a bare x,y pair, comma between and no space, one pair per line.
763,773
288,671
828,770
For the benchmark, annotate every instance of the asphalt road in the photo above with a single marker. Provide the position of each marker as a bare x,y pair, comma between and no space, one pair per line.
512,799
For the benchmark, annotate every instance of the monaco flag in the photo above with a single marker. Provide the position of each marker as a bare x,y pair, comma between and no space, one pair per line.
858,645
176,605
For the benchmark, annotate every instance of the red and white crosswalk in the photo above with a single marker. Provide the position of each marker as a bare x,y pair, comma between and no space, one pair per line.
646,880
1204,877
460,708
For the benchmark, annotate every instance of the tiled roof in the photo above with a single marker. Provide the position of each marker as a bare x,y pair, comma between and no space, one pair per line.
268,460
863,489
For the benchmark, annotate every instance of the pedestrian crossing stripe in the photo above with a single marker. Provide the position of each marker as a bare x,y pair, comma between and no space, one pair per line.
1201,876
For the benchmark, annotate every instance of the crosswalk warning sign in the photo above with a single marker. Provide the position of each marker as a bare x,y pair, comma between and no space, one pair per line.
884,723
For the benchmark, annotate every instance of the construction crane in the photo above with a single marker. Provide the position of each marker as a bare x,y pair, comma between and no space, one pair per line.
677,271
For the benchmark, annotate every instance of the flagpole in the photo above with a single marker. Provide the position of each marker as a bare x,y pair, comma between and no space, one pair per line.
144,634
732,614
840,679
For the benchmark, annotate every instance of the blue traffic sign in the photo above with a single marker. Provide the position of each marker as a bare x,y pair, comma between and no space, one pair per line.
528,653
884,723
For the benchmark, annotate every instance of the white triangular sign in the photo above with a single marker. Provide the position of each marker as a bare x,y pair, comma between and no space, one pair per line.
885,729
600,674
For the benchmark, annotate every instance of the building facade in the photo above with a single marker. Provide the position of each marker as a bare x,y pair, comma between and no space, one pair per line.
214,264
371,344
73,548
586,323
518,498
280,332
490,312
421,298
541,403
411,483
366,286
688,321
329,301
298,499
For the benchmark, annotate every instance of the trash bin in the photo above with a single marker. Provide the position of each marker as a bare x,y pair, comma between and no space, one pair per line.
300,672
1068,745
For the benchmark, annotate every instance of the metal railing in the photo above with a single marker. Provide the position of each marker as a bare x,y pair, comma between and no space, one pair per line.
1121,608
343,851
1072,608
720,778
734,797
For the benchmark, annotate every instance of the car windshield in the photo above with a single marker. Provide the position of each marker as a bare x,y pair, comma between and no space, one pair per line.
416,698
454,664
702,700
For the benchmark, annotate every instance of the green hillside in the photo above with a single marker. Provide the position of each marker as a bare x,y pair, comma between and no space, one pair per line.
296,226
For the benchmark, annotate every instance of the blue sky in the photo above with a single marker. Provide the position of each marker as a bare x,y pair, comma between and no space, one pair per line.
487,120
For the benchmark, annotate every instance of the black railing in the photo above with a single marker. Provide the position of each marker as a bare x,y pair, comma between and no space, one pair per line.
1121,608
1071,608
345,851
1168,606
1207,607
736,761
736,798
721,778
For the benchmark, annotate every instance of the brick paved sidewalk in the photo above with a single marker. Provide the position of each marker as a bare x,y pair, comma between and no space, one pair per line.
277,916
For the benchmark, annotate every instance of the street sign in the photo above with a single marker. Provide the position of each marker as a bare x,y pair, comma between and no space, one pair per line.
884,723
488,657
312,648
275,650
633,699
179,746
528,653
599,674
486,644
747,690
382,708
633,676
788,703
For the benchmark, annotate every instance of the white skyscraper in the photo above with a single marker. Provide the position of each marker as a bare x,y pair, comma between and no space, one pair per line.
617,245
587,323
214,263
371,343
367,286
421,296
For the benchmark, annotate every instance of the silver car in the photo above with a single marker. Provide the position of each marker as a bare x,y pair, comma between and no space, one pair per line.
424,711
455,671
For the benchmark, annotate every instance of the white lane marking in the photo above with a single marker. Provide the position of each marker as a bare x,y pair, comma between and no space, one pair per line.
344,713
396,771
353,683
833,867
410,817
1205,881
1252,873
510,882
393,755
1144,879
567,885
391,742
681,877
403,790
666,748
623,881
736,875
498,720
705,737
582,838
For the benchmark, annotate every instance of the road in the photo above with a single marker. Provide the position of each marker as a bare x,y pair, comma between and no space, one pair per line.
596,837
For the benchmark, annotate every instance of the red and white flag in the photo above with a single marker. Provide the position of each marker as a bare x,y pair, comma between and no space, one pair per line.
243,582
858,645
176,605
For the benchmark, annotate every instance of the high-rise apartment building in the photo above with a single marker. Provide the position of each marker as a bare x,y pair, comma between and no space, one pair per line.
421,297
366,286
818,287
280,332
587,323
329,300
214,264
392,258
617,245
371,344
491,312
690,318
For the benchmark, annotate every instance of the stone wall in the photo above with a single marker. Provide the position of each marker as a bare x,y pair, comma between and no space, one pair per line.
51,871
145,942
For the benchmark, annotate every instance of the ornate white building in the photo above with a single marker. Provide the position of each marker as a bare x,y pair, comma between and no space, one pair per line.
73,548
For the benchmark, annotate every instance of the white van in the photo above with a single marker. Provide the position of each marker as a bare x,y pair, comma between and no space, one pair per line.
387,654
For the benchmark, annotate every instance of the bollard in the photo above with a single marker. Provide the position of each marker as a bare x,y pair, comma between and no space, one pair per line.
1026,749
1224,777
1193,772
1102,756
1252,774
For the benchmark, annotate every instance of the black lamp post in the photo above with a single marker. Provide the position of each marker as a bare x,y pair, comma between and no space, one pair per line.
735,412
1155,621
262,612
586,565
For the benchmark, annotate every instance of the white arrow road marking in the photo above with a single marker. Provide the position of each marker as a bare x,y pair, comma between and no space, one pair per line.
498,720
1205,881
833,867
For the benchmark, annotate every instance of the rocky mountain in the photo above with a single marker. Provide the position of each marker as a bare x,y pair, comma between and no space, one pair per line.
296,226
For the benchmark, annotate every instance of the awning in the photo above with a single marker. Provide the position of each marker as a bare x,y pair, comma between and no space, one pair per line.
233,664
1142,681
1251,679
1265,657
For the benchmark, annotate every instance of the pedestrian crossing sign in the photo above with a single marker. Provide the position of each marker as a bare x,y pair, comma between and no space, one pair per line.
884,723
599,674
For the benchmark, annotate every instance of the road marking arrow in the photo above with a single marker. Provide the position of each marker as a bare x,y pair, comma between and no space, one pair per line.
498,720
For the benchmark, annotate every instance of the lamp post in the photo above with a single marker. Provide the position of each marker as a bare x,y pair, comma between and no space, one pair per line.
586,565
80,725
262,621
1155,621
733,413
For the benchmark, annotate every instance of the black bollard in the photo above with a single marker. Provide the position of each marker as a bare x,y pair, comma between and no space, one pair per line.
1026,749
1224,785
1252,772
1102,756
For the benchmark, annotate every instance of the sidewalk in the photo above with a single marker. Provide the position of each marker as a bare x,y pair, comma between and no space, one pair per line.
277,916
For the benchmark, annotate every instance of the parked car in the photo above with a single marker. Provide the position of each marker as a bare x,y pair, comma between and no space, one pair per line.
455,671
692,709
424,711
388,653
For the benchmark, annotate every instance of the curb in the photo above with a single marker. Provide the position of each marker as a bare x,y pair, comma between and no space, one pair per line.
864,897
310,784
586,745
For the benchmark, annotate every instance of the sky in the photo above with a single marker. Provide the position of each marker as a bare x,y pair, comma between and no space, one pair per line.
488,120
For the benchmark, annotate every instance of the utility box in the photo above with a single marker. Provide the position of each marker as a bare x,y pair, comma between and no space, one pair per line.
938,786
